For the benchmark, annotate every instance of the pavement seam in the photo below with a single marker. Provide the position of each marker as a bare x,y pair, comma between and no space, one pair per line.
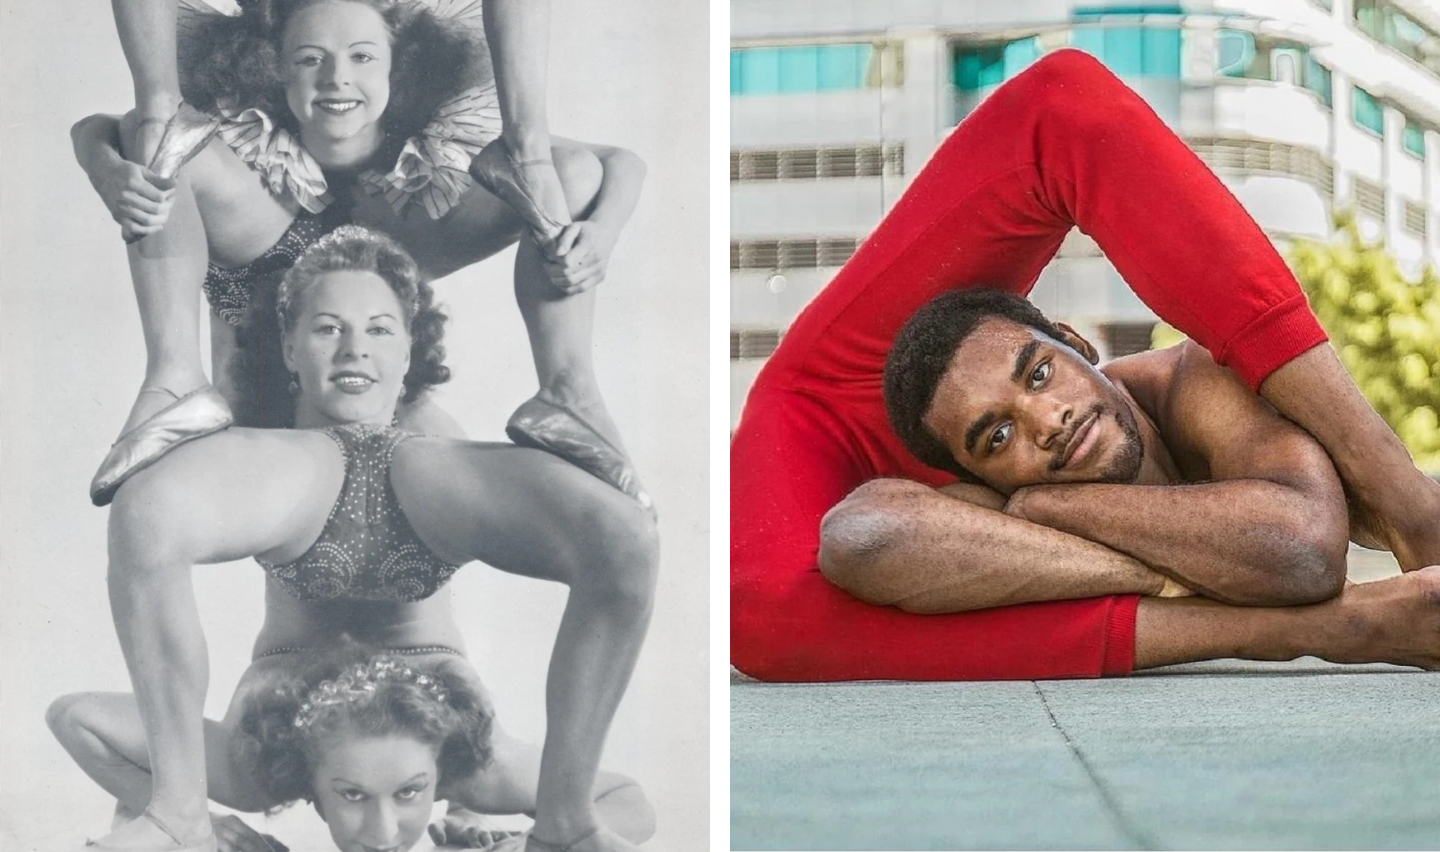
1133,832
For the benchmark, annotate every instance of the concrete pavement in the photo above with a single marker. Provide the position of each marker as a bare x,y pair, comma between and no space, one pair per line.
1220,755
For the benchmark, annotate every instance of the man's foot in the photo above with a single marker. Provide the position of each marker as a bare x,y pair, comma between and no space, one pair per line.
600,840
149,833
1389,621
169,420
1410,530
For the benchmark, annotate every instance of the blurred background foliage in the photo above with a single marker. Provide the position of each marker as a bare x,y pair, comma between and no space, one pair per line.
1385,326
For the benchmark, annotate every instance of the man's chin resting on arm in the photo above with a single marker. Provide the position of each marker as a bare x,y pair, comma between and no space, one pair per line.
1158,474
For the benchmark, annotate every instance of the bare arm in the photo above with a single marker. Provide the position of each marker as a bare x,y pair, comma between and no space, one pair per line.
138,199
1270,526
900,543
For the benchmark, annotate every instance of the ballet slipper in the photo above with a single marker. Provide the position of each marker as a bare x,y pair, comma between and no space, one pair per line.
556,429
500,173
207,844
187,132
197,414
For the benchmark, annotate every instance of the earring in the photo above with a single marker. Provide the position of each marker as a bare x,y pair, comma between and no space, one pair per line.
294,384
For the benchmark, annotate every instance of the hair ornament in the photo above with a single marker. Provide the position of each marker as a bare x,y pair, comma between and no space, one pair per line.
360,683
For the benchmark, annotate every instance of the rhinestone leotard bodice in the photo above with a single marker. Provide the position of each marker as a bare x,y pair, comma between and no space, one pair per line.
230,291
368,550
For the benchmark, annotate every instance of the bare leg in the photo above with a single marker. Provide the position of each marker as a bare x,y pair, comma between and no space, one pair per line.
230,496
518,33
147,37
509,783
560,326
1389,621
102,731
1400,506
167,269
529,513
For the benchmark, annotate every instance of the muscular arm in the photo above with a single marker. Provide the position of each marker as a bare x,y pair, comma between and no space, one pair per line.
1268,528
896,542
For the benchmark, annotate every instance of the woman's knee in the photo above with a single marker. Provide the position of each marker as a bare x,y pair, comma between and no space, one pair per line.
580,174
625,540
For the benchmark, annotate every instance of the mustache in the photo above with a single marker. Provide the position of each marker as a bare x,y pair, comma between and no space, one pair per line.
1093,411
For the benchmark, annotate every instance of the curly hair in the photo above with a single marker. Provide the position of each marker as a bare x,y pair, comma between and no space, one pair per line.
258,369
285,754
236,58
922,353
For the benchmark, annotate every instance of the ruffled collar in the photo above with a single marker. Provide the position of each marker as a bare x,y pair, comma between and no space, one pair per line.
433,169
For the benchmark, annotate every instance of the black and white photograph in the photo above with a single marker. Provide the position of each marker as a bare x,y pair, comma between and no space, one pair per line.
354,457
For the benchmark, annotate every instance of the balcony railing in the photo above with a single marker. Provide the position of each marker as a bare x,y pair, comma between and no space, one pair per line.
814,163
794,253
750,343
1258,157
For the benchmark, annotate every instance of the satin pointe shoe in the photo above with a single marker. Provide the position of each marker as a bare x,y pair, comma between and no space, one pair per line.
501,175
197,414
186,133
205,845
556,429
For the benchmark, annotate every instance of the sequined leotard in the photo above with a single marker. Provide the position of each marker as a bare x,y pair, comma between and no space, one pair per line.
368,550
230,291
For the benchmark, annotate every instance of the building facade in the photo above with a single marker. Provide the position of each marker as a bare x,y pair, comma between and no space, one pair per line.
1300,106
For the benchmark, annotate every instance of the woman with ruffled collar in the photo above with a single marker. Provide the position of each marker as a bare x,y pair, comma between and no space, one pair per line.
383,113
359,526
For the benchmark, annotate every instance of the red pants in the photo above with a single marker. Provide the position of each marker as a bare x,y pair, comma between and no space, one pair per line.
1063,144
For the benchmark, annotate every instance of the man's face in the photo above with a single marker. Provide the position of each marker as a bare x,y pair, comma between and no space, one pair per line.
1017,407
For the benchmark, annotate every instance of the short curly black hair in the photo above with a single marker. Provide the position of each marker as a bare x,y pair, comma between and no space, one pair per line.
285,754
258,369
237,58
922,352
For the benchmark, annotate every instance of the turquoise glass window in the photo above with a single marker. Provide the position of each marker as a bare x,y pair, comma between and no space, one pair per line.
1317,80
1367,112
986,66
1414,138
799,68
1132,51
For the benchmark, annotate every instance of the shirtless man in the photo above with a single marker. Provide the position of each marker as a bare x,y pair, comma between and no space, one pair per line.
1157,474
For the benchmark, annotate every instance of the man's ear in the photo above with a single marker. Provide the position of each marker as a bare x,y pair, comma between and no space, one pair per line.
1073,338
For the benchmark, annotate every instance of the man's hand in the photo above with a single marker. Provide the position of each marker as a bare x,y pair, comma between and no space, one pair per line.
580,257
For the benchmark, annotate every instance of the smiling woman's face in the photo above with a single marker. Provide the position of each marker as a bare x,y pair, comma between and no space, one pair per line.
336,57
376,793
1017,407
349,349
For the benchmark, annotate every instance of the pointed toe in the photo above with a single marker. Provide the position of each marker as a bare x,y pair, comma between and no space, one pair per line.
195,415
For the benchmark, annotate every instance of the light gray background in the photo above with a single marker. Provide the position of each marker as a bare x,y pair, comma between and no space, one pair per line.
628,72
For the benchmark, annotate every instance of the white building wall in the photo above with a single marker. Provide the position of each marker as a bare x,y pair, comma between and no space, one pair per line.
1079,284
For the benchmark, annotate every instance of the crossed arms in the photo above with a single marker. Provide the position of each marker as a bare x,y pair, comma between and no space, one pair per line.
1260,520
